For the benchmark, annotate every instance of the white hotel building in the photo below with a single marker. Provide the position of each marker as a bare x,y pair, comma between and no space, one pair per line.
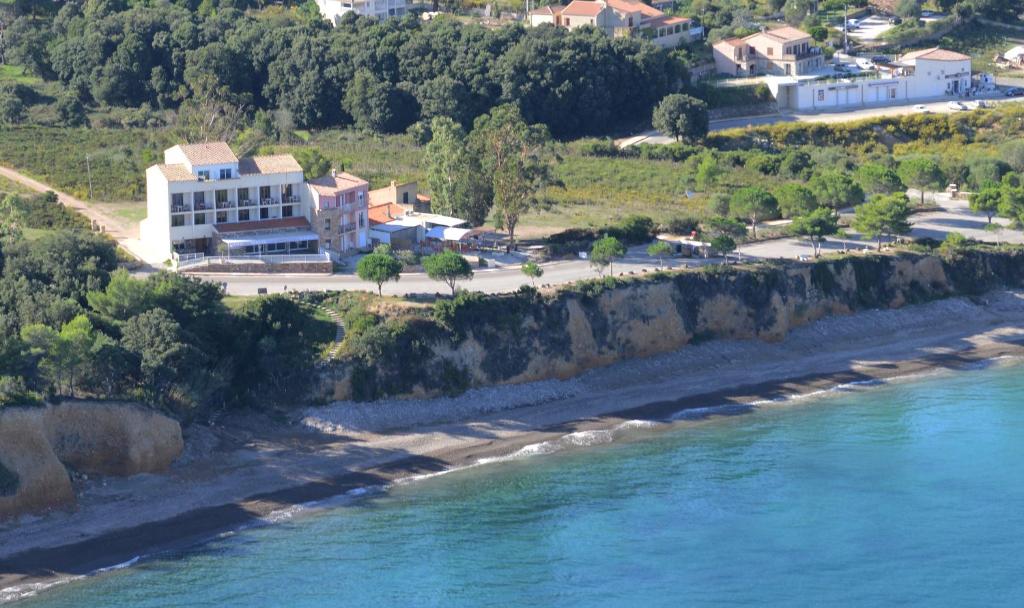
203,199
334,10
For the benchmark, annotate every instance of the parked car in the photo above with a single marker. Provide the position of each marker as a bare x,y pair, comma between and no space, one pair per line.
895,21
1014,92
956,106
880,59
983,103
921,108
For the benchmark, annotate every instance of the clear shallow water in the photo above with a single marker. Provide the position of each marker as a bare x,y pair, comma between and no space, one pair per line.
904,494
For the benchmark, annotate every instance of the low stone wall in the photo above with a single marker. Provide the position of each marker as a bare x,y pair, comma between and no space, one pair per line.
36,444
260,268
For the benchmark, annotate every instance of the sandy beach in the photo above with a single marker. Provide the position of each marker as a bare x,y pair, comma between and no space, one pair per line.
250,468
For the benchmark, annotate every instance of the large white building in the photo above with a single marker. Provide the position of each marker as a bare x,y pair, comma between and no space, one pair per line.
203,199
333,10
917,76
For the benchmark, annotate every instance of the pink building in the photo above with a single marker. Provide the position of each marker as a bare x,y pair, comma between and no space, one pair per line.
339,211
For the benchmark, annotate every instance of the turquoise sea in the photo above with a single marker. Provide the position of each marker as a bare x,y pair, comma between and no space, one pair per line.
910,493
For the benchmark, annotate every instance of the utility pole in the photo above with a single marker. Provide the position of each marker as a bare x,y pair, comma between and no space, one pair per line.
846,29
88,170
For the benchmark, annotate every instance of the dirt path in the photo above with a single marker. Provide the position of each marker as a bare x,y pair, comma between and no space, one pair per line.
125,233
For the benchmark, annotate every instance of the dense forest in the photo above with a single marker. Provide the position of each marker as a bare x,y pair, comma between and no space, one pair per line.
380,76
74,325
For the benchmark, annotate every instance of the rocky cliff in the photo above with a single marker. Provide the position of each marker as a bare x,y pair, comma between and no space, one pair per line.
38,445
481,340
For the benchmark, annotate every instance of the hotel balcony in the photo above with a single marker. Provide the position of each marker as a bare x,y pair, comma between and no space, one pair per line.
292,200
246,203
268,202
181,208
225,204
348,227
202,206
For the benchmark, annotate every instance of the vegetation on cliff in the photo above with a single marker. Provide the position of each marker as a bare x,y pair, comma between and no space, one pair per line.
396,347
73,325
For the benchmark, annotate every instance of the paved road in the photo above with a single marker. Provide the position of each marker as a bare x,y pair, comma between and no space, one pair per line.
935,107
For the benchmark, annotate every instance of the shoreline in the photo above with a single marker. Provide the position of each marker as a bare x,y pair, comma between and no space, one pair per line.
970,340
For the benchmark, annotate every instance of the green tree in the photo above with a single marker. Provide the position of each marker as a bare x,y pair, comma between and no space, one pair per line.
954,244
313,163
71,111
604,251
921,173
725,226
795,200
723,244
708,172
378,105
883,216
123,298
876,178
458,184
986,201
816,225
755,204
519,158
682,117
836,189
12,108
1011,204
379,268
532,270
447,267
795,163
660,250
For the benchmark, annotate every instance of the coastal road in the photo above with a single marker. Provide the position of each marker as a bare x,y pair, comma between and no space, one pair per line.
934,107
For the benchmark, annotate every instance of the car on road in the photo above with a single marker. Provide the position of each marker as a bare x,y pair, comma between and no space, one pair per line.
895,21
1014,92
923,109
956,106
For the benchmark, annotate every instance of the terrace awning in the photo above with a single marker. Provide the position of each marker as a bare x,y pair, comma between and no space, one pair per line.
270,238
447,234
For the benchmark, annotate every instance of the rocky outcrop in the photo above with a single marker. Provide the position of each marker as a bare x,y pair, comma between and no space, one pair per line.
38,445
526,337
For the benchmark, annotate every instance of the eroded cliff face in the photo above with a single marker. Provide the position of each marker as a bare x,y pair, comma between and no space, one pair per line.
37,445
539,337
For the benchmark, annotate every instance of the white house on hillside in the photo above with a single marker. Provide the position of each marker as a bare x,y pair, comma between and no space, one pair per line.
203,199
333,10
918,75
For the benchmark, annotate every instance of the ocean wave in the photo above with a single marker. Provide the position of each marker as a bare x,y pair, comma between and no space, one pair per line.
20,592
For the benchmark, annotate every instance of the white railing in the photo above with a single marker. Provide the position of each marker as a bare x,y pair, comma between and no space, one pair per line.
188,260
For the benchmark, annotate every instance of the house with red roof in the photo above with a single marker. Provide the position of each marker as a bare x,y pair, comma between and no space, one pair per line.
619,18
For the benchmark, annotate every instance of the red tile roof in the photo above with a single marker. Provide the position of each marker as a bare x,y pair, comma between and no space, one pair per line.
935,54
583,8
633,6
786,32
332,184
382,214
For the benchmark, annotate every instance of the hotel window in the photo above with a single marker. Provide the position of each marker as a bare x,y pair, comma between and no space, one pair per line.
200,219
264,193
225,173
327,224
264,214
203,175
821,95
405,198
243,194
221,196
222,217
199,198
327,243
286,211
362,220
288,190
892,93
243,215
177,220
177,202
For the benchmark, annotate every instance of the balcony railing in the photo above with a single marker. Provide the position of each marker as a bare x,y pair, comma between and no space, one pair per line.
225,204
348,228
246,203
292,200
201,207
181,208
266,202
